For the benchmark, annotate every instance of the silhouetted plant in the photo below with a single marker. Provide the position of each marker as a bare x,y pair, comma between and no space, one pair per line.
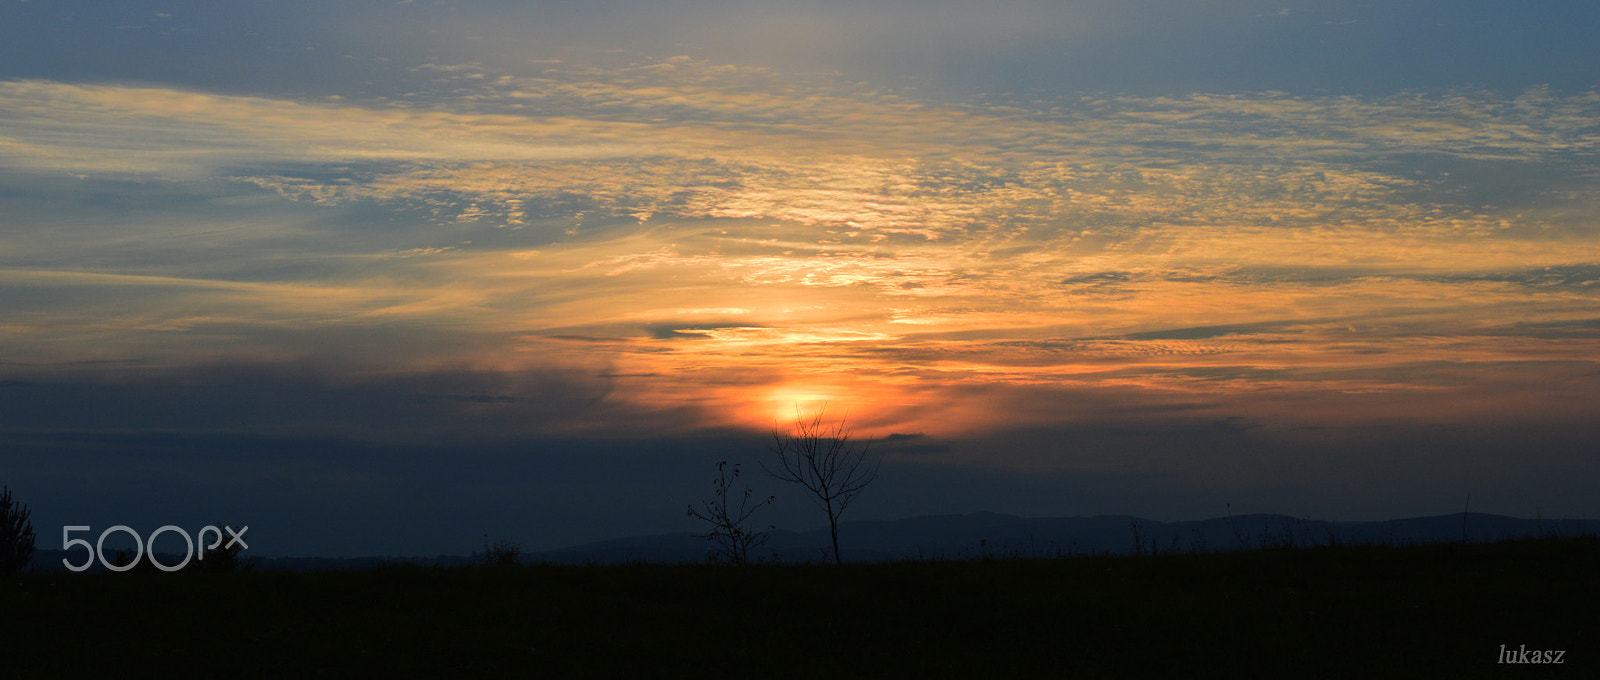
828,463
733,542
1197,539
1238,536
500,553
16,534
219,557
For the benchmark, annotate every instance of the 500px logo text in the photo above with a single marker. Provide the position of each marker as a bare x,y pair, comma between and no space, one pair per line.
196,547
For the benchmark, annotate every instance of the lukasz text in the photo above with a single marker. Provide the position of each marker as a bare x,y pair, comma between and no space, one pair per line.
1524,655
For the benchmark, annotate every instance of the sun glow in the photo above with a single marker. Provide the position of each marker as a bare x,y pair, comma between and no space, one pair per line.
864,406
790,403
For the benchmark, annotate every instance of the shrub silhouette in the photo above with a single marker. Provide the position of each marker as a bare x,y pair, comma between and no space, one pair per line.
500,553
732,541
16,534
219,557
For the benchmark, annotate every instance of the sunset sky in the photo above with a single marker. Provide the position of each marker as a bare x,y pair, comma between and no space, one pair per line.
385,277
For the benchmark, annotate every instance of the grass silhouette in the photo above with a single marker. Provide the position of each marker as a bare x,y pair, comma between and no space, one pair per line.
1353,611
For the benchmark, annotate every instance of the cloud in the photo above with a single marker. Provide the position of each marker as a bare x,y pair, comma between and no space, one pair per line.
323,397
878,249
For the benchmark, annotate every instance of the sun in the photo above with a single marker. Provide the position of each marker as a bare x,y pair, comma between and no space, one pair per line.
788,403
858,403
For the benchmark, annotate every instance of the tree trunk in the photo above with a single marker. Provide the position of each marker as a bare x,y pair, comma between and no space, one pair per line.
833,528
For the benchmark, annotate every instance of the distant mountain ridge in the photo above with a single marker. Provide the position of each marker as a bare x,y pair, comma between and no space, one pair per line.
987,534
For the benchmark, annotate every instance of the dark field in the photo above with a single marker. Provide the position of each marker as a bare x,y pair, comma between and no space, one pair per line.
1440,611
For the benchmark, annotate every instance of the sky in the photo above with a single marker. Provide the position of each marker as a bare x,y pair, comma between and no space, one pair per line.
393,277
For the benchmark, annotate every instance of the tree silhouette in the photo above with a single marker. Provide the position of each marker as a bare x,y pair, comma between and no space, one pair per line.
828,463
16,534
727,518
